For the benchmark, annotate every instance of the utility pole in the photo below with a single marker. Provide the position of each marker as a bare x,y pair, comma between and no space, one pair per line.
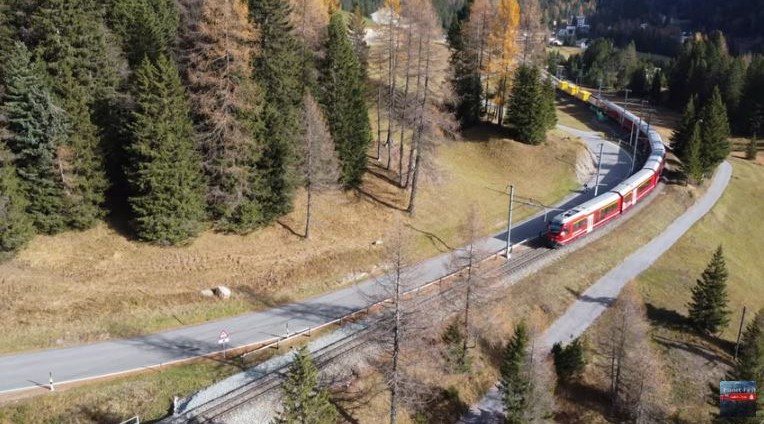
599,90
739,332
599,168
636,144
509,221
625,103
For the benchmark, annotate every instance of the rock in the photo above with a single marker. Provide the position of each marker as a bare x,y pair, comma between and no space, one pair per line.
222,292
207,293
377,242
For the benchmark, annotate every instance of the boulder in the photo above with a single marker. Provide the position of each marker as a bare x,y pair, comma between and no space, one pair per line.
207,293
222,292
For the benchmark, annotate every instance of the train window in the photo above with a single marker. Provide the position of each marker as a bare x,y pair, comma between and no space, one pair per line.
642,187
627,198
606,211
581,223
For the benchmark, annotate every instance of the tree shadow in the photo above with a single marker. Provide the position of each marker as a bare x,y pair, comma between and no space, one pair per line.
99,415
286,226
485,131
436,241
584,396
694,349
376,199
666,318
443,406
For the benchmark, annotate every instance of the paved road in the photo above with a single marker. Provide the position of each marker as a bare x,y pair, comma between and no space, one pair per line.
603,293
29,370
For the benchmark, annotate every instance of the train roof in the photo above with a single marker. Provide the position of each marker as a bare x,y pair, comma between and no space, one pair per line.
653,162
633,182
587,208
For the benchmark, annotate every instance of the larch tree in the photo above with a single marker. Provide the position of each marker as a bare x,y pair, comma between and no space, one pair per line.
277,68
715,132
15,225
392,34
147,28
534,32
344,103
708,310
37,130
503,46
320,168
357,32
477,40
309,19
70,37
164,168
465,78
303,400
431,122
217,57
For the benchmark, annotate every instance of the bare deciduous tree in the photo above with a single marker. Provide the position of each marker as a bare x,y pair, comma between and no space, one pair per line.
534,31
631,365
320,165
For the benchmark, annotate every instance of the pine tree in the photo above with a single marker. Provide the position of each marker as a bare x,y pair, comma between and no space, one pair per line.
15,226
164,168
708,309
656,89
37,128
692,164
278,69
531,106
69,36
344,103
752,99
147,28
682,133
569,361
304,402
715,132
750,360
514,384
752,150
465,79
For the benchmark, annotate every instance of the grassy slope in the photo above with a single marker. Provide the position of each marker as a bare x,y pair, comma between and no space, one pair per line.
735,223
690,362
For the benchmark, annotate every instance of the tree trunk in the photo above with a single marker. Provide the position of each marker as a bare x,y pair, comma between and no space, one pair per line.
309,207
379,122
416,96
420,129
392,82
396,343
405,106
467,304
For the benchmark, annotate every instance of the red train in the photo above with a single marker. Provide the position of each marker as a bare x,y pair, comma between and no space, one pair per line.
583,219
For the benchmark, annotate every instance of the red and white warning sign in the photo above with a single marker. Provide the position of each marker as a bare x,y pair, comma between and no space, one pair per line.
223,338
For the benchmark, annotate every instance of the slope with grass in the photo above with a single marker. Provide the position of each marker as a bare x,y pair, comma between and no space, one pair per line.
691,362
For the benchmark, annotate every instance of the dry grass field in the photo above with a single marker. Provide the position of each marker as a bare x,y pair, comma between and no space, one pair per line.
93,285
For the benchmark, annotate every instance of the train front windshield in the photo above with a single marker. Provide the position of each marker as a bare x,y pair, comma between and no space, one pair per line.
555,227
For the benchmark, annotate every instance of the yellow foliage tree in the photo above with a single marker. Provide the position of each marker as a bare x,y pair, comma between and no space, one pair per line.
502,43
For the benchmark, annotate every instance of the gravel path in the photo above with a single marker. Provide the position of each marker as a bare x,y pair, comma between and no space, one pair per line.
603,293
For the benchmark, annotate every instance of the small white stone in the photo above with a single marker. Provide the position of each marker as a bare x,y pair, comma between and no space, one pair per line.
207,293
222,292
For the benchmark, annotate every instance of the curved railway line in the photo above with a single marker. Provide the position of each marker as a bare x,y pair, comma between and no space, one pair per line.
594,213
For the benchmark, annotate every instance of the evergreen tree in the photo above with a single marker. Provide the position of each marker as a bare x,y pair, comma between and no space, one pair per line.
465,74
304,402
732,88
514,382
531,105
164,171
692,163
750,359
682,133
69,36
278,69
344,103
656,88
638,81
715,132
37,128
569,361
752,99
15,226
147,28
708,309
752,150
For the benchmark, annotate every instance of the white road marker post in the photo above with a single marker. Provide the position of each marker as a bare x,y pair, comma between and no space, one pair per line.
50,377
223,339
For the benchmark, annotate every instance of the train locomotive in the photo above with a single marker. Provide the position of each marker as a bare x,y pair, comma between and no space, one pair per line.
585,218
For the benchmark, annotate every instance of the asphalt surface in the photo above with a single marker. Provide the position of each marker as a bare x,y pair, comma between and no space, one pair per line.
603,293
29,370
